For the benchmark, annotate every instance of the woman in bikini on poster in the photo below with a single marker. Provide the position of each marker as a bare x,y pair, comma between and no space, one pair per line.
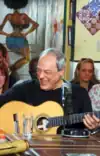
17,39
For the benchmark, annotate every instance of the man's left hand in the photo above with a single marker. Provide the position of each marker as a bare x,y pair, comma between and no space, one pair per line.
91,122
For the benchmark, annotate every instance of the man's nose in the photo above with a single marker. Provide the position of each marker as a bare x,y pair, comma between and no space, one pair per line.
87,73
41,75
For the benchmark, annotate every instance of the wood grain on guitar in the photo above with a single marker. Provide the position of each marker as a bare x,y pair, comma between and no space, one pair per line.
40,114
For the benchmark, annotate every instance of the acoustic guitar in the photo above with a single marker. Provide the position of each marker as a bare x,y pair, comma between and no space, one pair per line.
46,117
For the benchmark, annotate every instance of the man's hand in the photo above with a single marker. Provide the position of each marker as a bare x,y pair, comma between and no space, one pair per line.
91,122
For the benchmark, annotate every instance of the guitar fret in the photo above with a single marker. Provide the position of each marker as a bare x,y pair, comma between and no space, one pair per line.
81,116
60,121
54,122
69,120
66,120
77,118
73,118
51,122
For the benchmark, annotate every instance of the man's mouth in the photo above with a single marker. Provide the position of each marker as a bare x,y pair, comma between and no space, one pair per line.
43,83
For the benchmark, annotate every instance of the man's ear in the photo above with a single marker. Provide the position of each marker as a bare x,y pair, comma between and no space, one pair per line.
61,72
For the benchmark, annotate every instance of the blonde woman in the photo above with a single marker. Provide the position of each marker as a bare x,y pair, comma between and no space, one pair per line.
84,74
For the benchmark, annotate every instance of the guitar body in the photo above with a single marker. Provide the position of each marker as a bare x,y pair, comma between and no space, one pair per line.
45,110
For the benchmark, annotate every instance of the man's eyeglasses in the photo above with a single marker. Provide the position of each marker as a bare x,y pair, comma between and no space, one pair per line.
46,72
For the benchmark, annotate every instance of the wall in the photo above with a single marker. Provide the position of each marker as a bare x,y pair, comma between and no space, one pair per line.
86,45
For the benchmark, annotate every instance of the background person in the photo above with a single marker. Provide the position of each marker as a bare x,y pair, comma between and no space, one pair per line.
84,74
4,78
4,60
4,55
33,68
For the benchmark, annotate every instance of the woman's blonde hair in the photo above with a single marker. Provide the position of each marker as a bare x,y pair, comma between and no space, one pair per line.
76,78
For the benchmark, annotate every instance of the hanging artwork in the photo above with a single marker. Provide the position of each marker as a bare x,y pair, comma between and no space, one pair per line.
48,14
89,15
57,38
58,25
16,40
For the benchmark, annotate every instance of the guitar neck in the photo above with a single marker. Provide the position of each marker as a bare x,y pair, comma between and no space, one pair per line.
70,119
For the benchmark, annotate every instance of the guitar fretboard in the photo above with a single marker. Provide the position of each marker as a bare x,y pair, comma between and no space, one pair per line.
70,119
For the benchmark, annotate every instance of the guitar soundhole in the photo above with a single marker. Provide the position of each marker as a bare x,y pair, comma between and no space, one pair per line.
42,123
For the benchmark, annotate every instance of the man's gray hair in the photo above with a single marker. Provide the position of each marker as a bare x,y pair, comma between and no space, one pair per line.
61,61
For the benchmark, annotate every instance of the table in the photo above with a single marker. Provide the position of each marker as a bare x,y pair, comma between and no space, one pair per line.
56,145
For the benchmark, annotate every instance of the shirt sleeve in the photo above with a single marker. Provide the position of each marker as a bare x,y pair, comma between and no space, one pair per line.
14,93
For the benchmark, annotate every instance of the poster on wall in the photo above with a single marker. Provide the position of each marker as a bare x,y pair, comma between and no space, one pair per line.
28,29
89,15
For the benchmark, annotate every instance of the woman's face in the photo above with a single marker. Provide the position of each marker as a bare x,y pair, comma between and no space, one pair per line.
1,57
2,79
86,72
4,60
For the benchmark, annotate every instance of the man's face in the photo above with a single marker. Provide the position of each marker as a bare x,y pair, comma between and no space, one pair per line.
47,73
86,72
